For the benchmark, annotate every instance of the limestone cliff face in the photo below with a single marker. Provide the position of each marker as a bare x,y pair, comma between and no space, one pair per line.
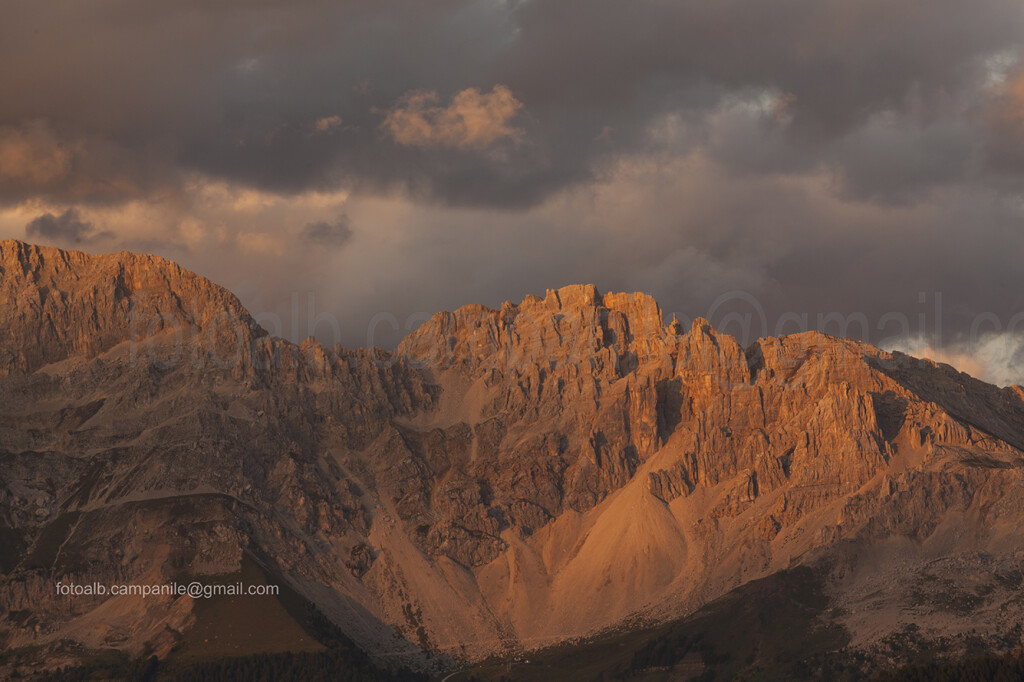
505,478
57,304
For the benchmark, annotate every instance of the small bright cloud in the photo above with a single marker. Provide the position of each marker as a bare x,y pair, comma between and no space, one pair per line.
473,120
327,124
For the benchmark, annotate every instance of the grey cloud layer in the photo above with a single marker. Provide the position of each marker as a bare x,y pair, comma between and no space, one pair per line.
234,89
853,153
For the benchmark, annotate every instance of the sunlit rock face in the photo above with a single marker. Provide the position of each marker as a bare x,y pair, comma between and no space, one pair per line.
505,478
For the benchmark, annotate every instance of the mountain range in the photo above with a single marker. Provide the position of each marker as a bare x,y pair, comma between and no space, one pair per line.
555,471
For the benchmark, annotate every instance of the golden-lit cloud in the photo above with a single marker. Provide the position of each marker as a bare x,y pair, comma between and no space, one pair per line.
327,124
37,162
205,215
1007,110
962,362
994,358
473,120
32,156
1013,108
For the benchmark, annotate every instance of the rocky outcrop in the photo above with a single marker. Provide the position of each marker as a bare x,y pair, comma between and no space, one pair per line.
58,304
505,478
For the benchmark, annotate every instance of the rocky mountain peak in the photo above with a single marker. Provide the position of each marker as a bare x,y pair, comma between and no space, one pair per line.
59,303
567,322
506,478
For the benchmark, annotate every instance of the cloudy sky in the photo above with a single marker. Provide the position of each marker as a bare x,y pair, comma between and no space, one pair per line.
855,165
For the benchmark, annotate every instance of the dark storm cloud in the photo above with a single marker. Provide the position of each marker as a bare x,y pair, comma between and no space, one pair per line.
853,152
840,60
235,89
328,235
66,228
